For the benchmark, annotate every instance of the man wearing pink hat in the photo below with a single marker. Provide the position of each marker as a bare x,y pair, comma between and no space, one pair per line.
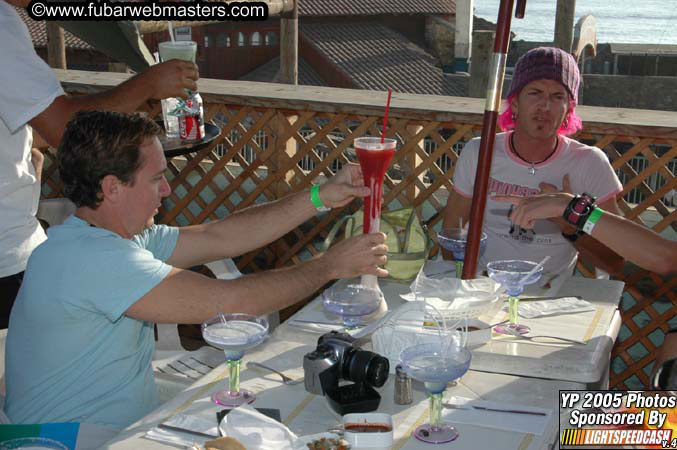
534,155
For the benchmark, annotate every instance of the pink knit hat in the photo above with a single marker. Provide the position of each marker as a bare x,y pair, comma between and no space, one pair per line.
546,63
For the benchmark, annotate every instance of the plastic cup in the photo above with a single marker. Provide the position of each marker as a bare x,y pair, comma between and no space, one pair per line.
185,50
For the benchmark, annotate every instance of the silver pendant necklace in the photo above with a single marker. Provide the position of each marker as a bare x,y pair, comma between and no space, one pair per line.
532,169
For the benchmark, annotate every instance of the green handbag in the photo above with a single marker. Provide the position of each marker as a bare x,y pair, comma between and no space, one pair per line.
406,238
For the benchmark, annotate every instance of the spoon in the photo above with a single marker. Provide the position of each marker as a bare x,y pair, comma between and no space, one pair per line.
516,333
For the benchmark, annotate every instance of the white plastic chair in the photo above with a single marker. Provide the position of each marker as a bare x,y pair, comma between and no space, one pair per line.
55,210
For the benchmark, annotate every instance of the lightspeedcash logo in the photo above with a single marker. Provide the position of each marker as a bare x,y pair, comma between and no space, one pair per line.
147,10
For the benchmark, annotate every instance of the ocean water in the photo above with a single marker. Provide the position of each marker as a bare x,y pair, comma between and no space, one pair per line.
618,21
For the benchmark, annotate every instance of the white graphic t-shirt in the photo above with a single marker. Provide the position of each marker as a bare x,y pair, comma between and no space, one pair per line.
589,171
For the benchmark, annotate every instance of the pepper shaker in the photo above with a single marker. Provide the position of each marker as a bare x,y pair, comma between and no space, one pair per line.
403,390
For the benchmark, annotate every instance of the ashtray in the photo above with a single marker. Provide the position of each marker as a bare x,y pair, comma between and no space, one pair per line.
478,332
368,430
177,147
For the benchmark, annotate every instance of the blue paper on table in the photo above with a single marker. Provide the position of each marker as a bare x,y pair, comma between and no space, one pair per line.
65,434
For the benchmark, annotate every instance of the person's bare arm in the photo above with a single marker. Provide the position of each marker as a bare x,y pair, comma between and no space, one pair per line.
589,249
260,225
38,160
169,79
187,297
456,211
597,253
634,242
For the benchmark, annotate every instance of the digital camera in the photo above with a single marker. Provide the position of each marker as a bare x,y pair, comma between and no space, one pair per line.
336,359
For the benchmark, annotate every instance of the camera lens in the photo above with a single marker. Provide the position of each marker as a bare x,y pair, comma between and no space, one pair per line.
365,366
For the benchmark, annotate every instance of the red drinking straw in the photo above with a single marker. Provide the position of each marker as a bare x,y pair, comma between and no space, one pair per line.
385,118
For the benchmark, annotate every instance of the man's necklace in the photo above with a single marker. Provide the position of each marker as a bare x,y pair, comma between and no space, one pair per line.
532,169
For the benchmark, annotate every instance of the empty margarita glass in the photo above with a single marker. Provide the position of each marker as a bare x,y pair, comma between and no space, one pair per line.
513,275
351,301
234,333
436,365
455,240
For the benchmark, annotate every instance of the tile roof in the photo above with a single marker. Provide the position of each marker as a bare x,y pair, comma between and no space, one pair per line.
375,57
268,73
375,7
38,31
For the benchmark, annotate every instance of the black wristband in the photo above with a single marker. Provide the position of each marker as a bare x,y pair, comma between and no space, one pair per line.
578,210
572,237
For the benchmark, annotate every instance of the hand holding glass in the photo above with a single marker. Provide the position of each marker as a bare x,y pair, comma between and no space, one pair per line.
186,51
352,301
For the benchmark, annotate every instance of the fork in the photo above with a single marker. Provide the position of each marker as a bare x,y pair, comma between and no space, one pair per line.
285,379
531,338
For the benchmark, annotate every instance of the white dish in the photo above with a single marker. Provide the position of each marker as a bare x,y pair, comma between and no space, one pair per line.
368,440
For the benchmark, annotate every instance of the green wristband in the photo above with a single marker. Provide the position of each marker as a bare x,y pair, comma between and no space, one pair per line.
592,220
316,200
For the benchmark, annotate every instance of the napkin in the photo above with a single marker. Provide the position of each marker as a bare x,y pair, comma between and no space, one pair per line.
564,305
522,423
256,430
187,422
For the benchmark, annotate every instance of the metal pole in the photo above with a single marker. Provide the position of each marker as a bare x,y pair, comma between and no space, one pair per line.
491,108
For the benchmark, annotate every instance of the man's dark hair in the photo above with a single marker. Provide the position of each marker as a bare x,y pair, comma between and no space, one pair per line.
100,143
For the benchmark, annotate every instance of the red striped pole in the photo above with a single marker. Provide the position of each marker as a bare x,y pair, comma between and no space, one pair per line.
491,108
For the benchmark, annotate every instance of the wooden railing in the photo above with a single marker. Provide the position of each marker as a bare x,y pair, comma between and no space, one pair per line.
278,139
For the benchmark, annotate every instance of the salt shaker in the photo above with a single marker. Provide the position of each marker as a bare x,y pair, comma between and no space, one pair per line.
403,392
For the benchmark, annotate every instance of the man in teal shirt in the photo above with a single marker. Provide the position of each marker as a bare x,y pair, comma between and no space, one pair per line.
80,338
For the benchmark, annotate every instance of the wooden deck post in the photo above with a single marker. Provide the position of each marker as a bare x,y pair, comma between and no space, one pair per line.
289,46
56,46
564,24
289,74
482,50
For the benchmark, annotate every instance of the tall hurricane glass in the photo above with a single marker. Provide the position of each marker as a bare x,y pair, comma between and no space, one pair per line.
352,301
513,275
234,333
436,365
375,157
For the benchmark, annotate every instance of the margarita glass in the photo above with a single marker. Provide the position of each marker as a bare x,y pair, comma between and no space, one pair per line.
436,365
455,240
513,275
234,333
351,301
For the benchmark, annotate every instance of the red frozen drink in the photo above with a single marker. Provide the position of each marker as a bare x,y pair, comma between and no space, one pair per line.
374,158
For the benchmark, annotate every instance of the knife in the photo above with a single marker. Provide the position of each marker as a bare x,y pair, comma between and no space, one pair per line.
485,408
555,297
186,430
